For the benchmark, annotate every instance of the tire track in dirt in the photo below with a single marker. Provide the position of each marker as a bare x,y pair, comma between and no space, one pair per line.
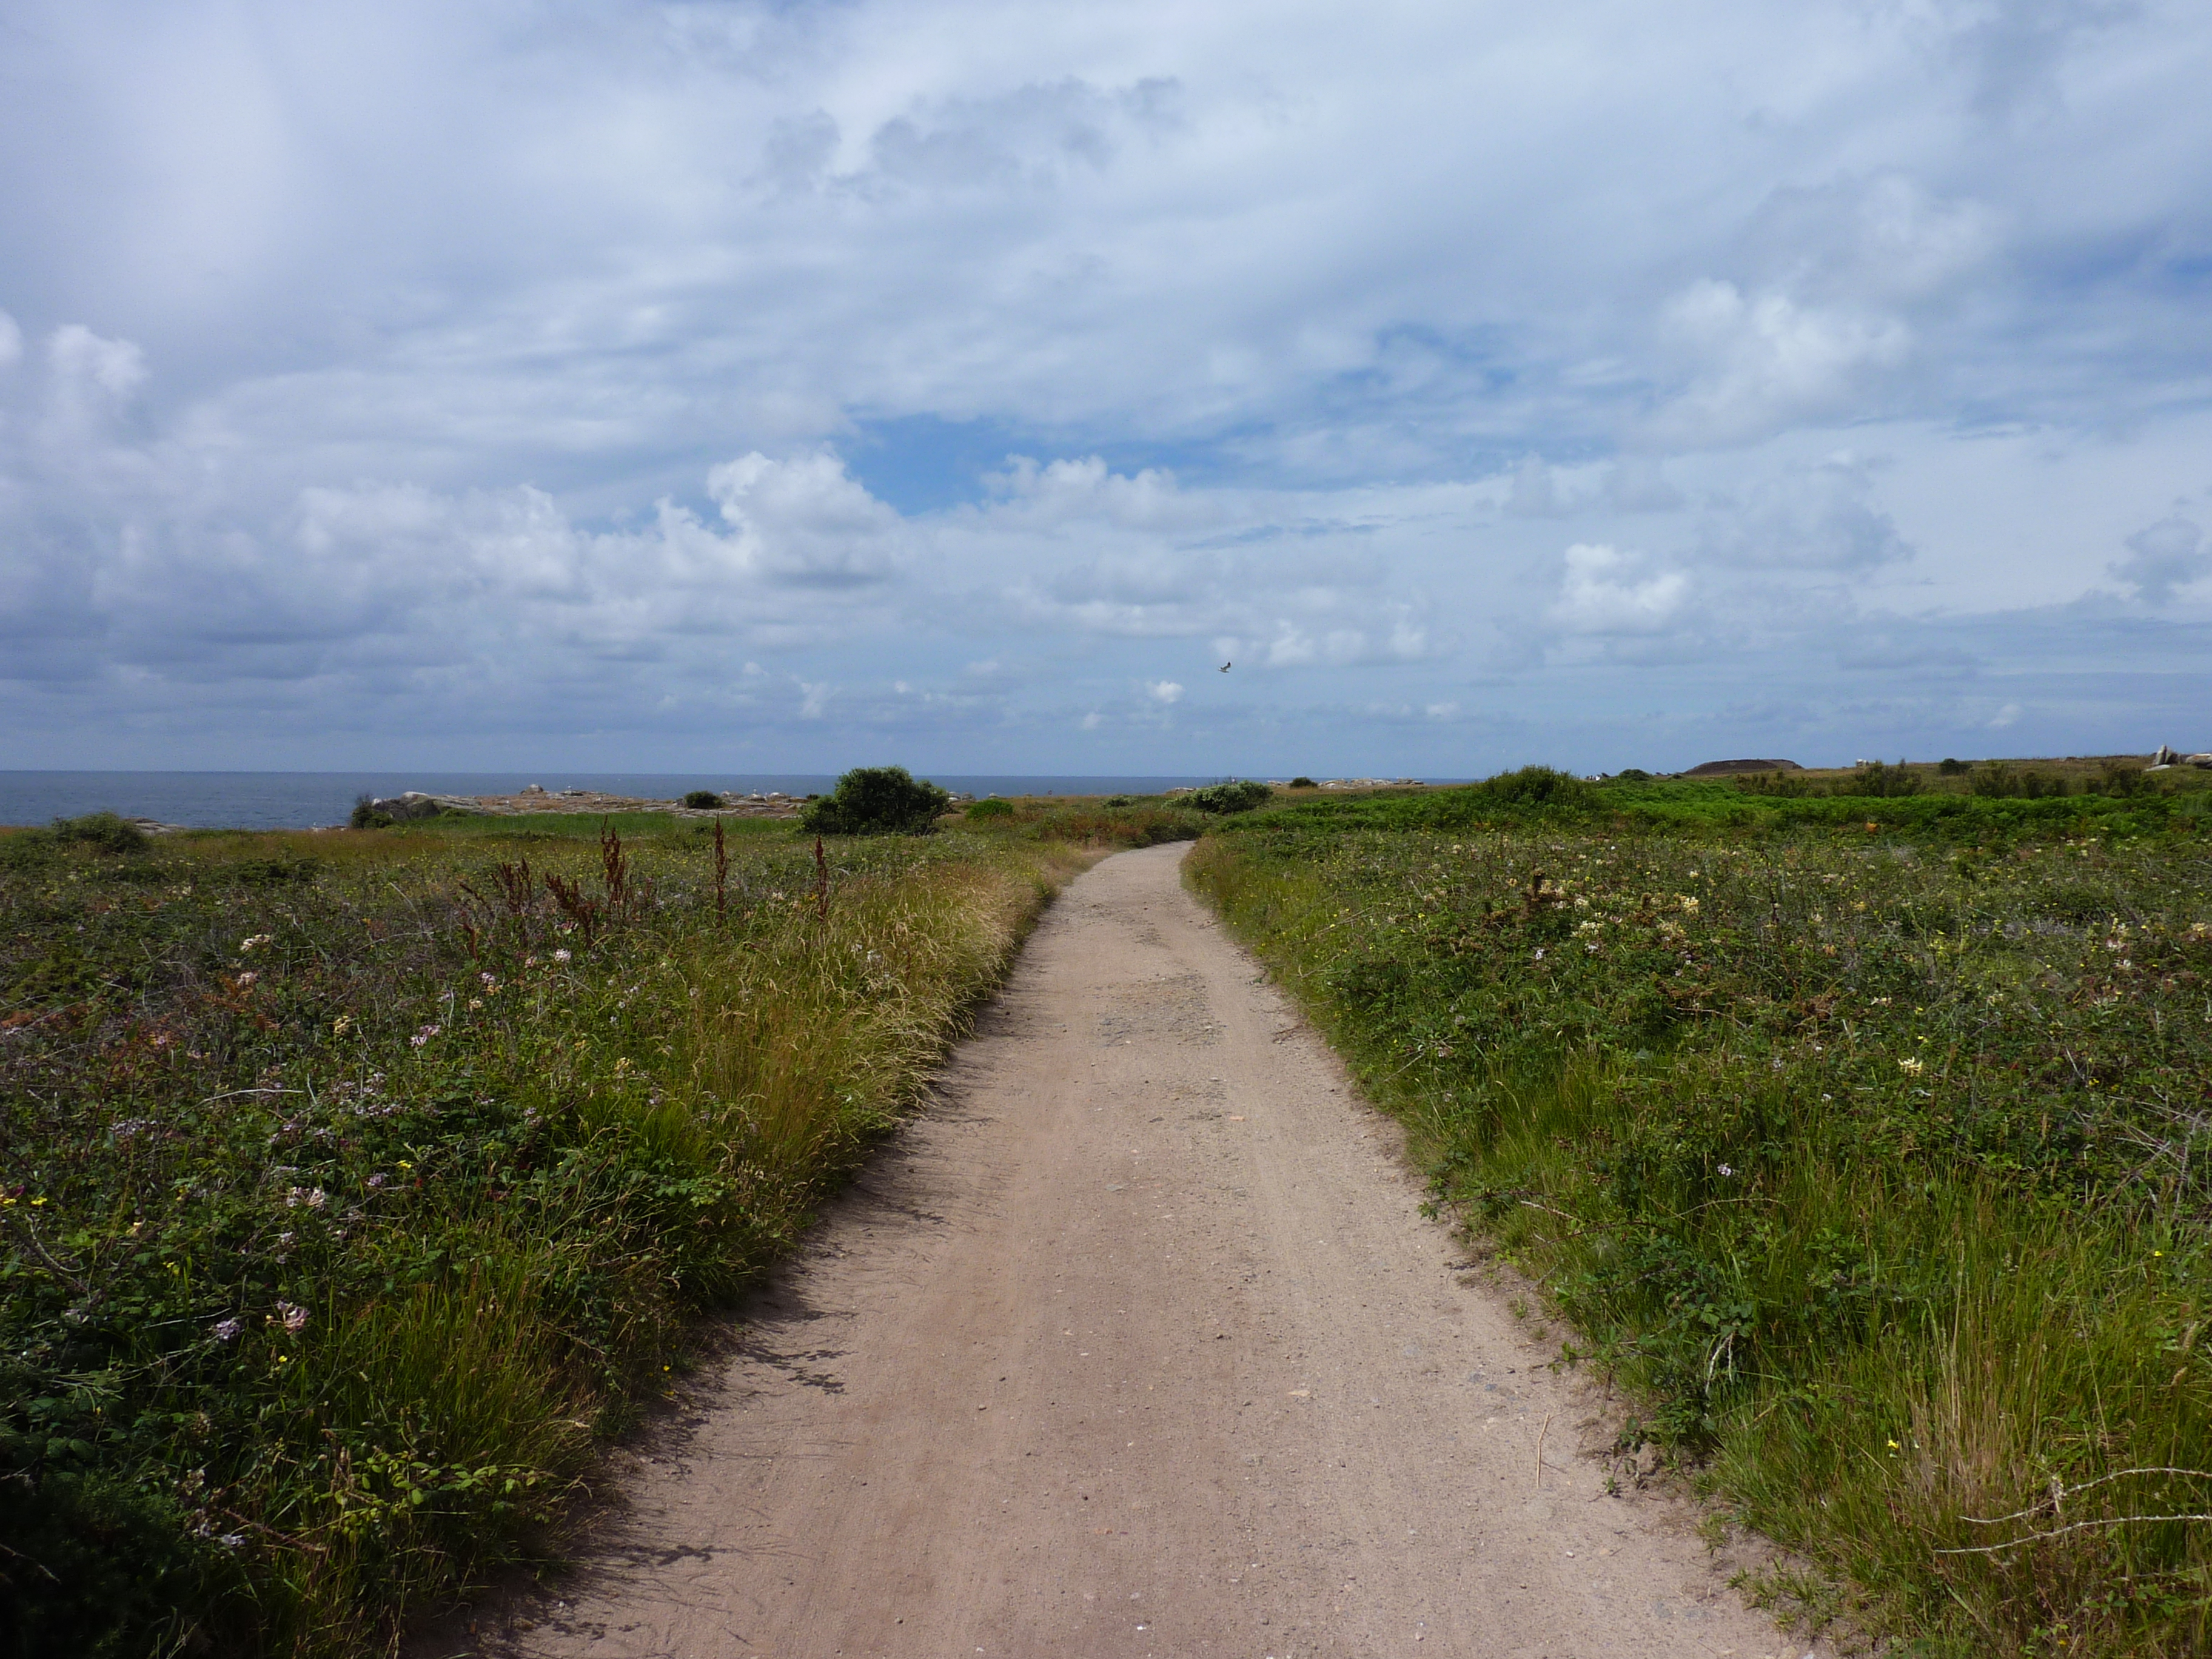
1135,1345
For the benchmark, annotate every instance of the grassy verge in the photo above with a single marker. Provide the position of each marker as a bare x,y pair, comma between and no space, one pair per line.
352,1186
1875,1161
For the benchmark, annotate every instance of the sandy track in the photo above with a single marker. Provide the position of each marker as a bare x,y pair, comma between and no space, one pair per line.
1137,1345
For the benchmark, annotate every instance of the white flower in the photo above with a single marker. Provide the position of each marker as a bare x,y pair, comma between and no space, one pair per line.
560,956
312,1198
294,1316
1911,1068
423,1035
1726,1171
256,942
245,980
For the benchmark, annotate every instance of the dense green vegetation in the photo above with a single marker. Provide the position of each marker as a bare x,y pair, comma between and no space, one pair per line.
1867,1140
353,1185
877,800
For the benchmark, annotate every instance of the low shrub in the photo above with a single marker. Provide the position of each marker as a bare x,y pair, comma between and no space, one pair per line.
703,800
1303,782
1996,780
875,800
983,812
1881,782
104,832
1241,796
1541,787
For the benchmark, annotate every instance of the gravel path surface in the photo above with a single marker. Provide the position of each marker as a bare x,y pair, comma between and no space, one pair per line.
1137,1344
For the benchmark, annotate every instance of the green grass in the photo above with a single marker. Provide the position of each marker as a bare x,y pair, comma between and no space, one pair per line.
354,1186
1874,1163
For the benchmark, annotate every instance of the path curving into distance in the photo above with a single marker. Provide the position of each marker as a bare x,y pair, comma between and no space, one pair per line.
1136,1344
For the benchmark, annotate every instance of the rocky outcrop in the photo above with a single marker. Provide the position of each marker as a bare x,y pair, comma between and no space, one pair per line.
413,804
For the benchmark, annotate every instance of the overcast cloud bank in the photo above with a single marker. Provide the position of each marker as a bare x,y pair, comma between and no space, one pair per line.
696,385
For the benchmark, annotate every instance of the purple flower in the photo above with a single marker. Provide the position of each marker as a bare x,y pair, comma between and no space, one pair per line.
225,1329
294,1316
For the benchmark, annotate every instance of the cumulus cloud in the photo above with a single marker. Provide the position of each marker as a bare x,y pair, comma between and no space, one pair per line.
804,521
1823,517
2163,558
1604,590
1761,360
425,375
1166,691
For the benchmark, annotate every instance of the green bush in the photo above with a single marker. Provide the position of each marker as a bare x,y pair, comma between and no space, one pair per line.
104,831
1540,787
1242,796
1954,768
1790,784
1881,782
1999,781
980,810
1303,782
875,800
704,800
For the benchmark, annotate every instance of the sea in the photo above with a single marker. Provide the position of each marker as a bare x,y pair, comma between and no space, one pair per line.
303,800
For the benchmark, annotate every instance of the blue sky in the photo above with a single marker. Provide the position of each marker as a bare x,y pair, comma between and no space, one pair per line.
695,387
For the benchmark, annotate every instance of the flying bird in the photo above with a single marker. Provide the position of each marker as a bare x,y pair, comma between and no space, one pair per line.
1224,668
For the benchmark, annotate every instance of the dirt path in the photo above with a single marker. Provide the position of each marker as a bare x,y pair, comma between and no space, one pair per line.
1137,1346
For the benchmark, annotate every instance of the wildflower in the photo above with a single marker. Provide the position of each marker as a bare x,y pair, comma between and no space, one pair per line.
1726,1171
226,1330
294,1317
423,1035
376,1181
562,955
245,980
342,1024
256,942
1581,904
1689,905
232,1540
475,1003
1912,1067
490,983
309,1198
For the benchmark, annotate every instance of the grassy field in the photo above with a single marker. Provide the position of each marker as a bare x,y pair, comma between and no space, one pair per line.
353,1186
1859,1138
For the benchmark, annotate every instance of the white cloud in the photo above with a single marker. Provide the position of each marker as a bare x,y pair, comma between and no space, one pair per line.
1166,691
2163,558
1821,517
418,376
1600,593
804,521
1763,361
